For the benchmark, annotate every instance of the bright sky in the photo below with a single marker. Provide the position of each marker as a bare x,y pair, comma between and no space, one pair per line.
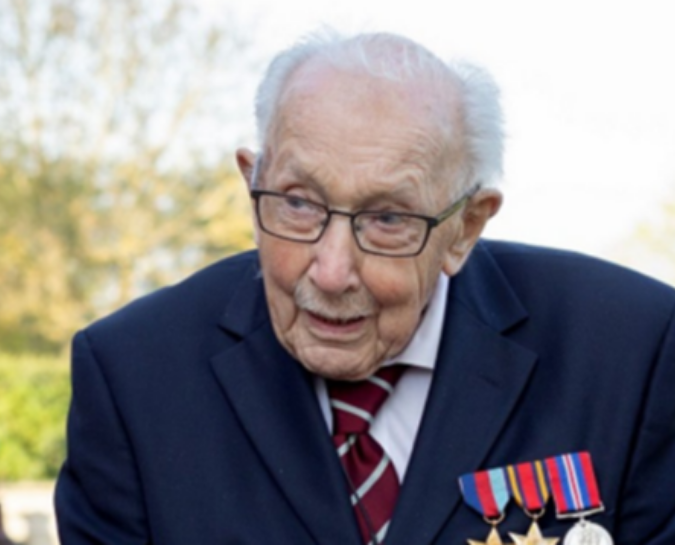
588,88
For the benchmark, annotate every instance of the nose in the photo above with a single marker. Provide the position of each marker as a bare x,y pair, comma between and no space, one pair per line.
335,258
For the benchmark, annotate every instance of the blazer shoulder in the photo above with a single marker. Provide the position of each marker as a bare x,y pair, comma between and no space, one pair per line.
535,271
193,302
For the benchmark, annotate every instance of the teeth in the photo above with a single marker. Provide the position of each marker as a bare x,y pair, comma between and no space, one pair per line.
339,321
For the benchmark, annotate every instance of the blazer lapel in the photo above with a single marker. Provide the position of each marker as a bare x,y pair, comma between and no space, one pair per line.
274,400
480,375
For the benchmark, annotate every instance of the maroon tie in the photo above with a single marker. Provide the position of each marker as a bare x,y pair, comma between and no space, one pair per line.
372,476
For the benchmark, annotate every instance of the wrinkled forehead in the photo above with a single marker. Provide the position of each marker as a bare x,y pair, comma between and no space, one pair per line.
320,100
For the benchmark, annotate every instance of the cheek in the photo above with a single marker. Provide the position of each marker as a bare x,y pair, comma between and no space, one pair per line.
284,261
401,293
283,267
404,282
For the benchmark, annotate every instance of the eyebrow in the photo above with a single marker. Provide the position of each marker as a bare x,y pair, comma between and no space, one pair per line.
400,201
401,195
302,173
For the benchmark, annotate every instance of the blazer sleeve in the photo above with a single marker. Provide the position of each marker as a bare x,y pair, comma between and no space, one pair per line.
98,496
648,513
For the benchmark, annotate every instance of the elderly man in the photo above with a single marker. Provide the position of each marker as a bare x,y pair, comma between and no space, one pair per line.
353,379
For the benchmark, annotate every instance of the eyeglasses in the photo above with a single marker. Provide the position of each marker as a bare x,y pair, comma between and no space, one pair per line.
386,233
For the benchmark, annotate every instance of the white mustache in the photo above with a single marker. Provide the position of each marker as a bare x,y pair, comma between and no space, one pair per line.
350,305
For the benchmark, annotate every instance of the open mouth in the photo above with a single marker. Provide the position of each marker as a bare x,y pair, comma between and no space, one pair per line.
336,321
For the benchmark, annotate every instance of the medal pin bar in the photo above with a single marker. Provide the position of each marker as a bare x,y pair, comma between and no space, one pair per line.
576,495
487,492
530,491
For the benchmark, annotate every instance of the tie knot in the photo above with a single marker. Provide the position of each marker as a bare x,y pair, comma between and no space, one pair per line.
355,404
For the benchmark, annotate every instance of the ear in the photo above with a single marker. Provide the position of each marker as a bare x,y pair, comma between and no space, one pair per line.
246,163
477,212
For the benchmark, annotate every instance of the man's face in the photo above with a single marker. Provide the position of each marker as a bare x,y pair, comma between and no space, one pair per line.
353,143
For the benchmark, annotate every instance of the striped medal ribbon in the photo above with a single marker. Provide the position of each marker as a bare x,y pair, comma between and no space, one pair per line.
487,492
576,495
530,491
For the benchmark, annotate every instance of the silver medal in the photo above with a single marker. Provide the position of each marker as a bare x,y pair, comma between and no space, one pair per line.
588,533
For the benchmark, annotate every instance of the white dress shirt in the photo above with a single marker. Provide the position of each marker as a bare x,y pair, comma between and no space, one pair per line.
396,423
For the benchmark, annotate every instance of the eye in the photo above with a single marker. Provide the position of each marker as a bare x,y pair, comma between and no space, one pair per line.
296,202
389,219
299,208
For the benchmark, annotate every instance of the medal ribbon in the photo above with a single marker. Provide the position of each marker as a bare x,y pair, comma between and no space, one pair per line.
573,483
528,485
486,491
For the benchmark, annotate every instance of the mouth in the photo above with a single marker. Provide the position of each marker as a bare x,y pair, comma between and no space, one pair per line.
341,325
336,321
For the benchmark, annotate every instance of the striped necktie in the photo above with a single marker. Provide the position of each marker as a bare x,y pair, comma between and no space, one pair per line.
371,474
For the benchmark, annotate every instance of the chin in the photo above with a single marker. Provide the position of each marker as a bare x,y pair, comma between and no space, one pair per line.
329,365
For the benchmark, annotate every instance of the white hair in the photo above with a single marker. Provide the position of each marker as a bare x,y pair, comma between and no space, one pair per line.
475,99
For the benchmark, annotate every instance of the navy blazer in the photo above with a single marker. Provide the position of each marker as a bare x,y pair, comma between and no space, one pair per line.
190,424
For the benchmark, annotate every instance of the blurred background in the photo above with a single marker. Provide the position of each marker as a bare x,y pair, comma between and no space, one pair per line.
118,122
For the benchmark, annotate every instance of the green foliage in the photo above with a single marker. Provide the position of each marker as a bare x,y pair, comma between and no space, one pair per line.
34,396
115,176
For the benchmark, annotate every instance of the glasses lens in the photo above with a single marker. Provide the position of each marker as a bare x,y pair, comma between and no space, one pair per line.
390,233
291,217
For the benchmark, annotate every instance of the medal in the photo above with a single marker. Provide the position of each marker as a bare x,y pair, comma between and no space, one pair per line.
488,493
533,537
587,533
530,491
492,539
576,495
